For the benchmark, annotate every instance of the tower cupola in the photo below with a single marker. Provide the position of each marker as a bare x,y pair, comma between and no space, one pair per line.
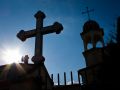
92,33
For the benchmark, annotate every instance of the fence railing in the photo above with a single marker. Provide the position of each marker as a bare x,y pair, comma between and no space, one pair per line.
71,82
85,76
89,74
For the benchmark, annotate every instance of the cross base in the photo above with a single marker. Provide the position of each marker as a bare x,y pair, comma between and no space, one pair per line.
38,59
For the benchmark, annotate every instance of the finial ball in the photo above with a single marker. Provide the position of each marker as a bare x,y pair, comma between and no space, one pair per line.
39,14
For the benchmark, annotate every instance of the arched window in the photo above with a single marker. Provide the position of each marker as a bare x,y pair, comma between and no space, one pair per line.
99,44
89,46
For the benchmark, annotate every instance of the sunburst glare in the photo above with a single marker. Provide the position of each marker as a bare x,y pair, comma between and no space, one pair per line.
11,55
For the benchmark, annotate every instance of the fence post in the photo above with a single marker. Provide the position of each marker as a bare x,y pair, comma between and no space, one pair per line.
52,77
64,78
58,79
71,78
79,78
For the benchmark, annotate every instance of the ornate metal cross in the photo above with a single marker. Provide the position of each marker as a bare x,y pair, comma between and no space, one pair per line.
38,34
88,11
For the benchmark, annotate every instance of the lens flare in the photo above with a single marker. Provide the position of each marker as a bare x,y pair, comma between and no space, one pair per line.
11,55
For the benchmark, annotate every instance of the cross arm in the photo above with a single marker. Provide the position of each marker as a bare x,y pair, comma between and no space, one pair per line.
88,11
23,35
56,27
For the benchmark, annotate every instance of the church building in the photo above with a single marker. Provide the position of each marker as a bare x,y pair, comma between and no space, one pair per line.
102,63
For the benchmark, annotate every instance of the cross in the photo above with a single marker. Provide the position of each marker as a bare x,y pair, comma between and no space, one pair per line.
38,34
88,11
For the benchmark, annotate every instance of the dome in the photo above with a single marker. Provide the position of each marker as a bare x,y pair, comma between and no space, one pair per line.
90,25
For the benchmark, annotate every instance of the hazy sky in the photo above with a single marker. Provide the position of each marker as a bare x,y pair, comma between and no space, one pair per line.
63,52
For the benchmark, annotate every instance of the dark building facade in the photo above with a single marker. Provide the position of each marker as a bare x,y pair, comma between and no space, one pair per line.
24,76
118,30
101,72
102,64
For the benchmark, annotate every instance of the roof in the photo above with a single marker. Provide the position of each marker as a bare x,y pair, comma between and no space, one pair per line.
90,25
20,72
16,71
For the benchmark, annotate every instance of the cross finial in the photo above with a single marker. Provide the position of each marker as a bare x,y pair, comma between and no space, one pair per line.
39,14
88,11
38,33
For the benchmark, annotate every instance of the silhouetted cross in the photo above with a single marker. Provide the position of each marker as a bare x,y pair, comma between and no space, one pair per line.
88,11
38,34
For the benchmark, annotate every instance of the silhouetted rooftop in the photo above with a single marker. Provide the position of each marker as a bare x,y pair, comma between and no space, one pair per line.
90,25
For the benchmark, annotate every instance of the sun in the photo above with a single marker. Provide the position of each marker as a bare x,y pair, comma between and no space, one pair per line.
11,55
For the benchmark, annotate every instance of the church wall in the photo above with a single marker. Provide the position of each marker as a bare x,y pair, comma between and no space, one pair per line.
68,87
24,85
93,56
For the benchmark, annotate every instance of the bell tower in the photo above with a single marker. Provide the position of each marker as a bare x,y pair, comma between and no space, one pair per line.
92,34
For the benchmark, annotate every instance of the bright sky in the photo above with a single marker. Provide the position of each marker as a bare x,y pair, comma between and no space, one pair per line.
63,52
